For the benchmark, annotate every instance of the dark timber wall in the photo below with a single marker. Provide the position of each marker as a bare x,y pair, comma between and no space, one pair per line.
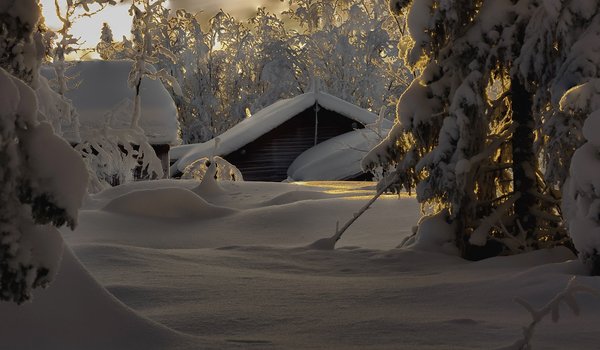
269,157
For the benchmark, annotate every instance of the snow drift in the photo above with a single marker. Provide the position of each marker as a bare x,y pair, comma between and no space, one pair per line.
74,313
166,203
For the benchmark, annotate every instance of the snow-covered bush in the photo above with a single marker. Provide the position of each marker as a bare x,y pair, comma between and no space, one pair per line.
225,170
574,31
434,233
117,155
42,179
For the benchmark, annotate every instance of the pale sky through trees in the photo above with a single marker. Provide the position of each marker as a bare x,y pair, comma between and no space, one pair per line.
88,29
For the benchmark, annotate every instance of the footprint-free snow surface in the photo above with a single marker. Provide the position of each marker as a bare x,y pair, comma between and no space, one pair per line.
163,265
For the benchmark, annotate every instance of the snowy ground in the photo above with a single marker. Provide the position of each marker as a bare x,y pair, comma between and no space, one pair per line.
230,271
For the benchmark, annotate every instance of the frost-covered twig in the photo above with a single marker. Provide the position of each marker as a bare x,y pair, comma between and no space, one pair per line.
567,297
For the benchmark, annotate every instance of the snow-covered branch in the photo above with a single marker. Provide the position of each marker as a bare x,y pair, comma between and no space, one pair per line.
567,297
329,243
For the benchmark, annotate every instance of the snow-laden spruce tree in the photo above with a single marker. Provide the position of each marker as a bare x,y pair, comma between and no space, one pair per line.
109,49
574,43
105,46
581,201
465,132
581,105
42,180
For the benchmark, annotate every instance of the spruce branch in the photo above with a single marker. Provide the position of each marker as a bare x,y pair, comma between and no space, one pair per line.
567,296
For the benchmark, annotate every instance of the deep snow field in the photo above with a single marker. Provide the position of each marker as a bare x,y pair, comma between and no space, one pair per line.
160,266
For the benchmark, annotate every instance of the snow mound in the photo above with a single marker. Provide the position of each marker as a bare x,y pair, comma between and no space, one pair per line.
295,196
434,235
167,203
209,187
75,312
323,244
50,156
338,158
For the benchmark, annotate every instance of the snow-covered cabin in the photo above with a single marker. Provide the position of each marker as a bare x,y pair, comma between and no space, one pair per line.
101,96
264,145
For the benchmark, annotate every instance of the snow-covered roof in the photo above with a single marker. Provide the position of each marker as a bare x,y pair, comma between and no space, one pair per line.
338,158
266,120
100,87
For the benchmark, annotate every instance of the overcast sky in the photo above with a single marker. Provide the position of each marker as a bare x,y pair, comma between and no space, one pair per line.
120,22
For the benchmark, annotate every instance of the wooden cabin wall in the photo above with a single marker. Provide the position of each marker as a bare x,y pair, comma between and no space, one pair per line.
269,157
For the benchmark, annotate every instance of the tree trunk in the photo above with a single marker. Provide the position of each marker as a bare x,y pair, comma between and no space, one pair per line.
523,156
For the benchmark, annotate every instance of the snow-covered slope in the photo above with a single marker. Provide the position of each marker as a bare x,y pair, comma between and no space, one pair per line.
266,120
248,280
75,312
101,88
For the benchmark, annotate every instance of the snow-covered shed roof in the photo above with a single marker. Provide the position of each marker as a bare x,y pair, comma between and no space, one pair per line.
266,120
100,87
338,158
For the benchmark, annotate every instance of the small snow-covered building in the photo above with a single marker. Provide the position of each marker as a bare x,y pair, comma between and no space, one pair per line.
102,97
264,145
